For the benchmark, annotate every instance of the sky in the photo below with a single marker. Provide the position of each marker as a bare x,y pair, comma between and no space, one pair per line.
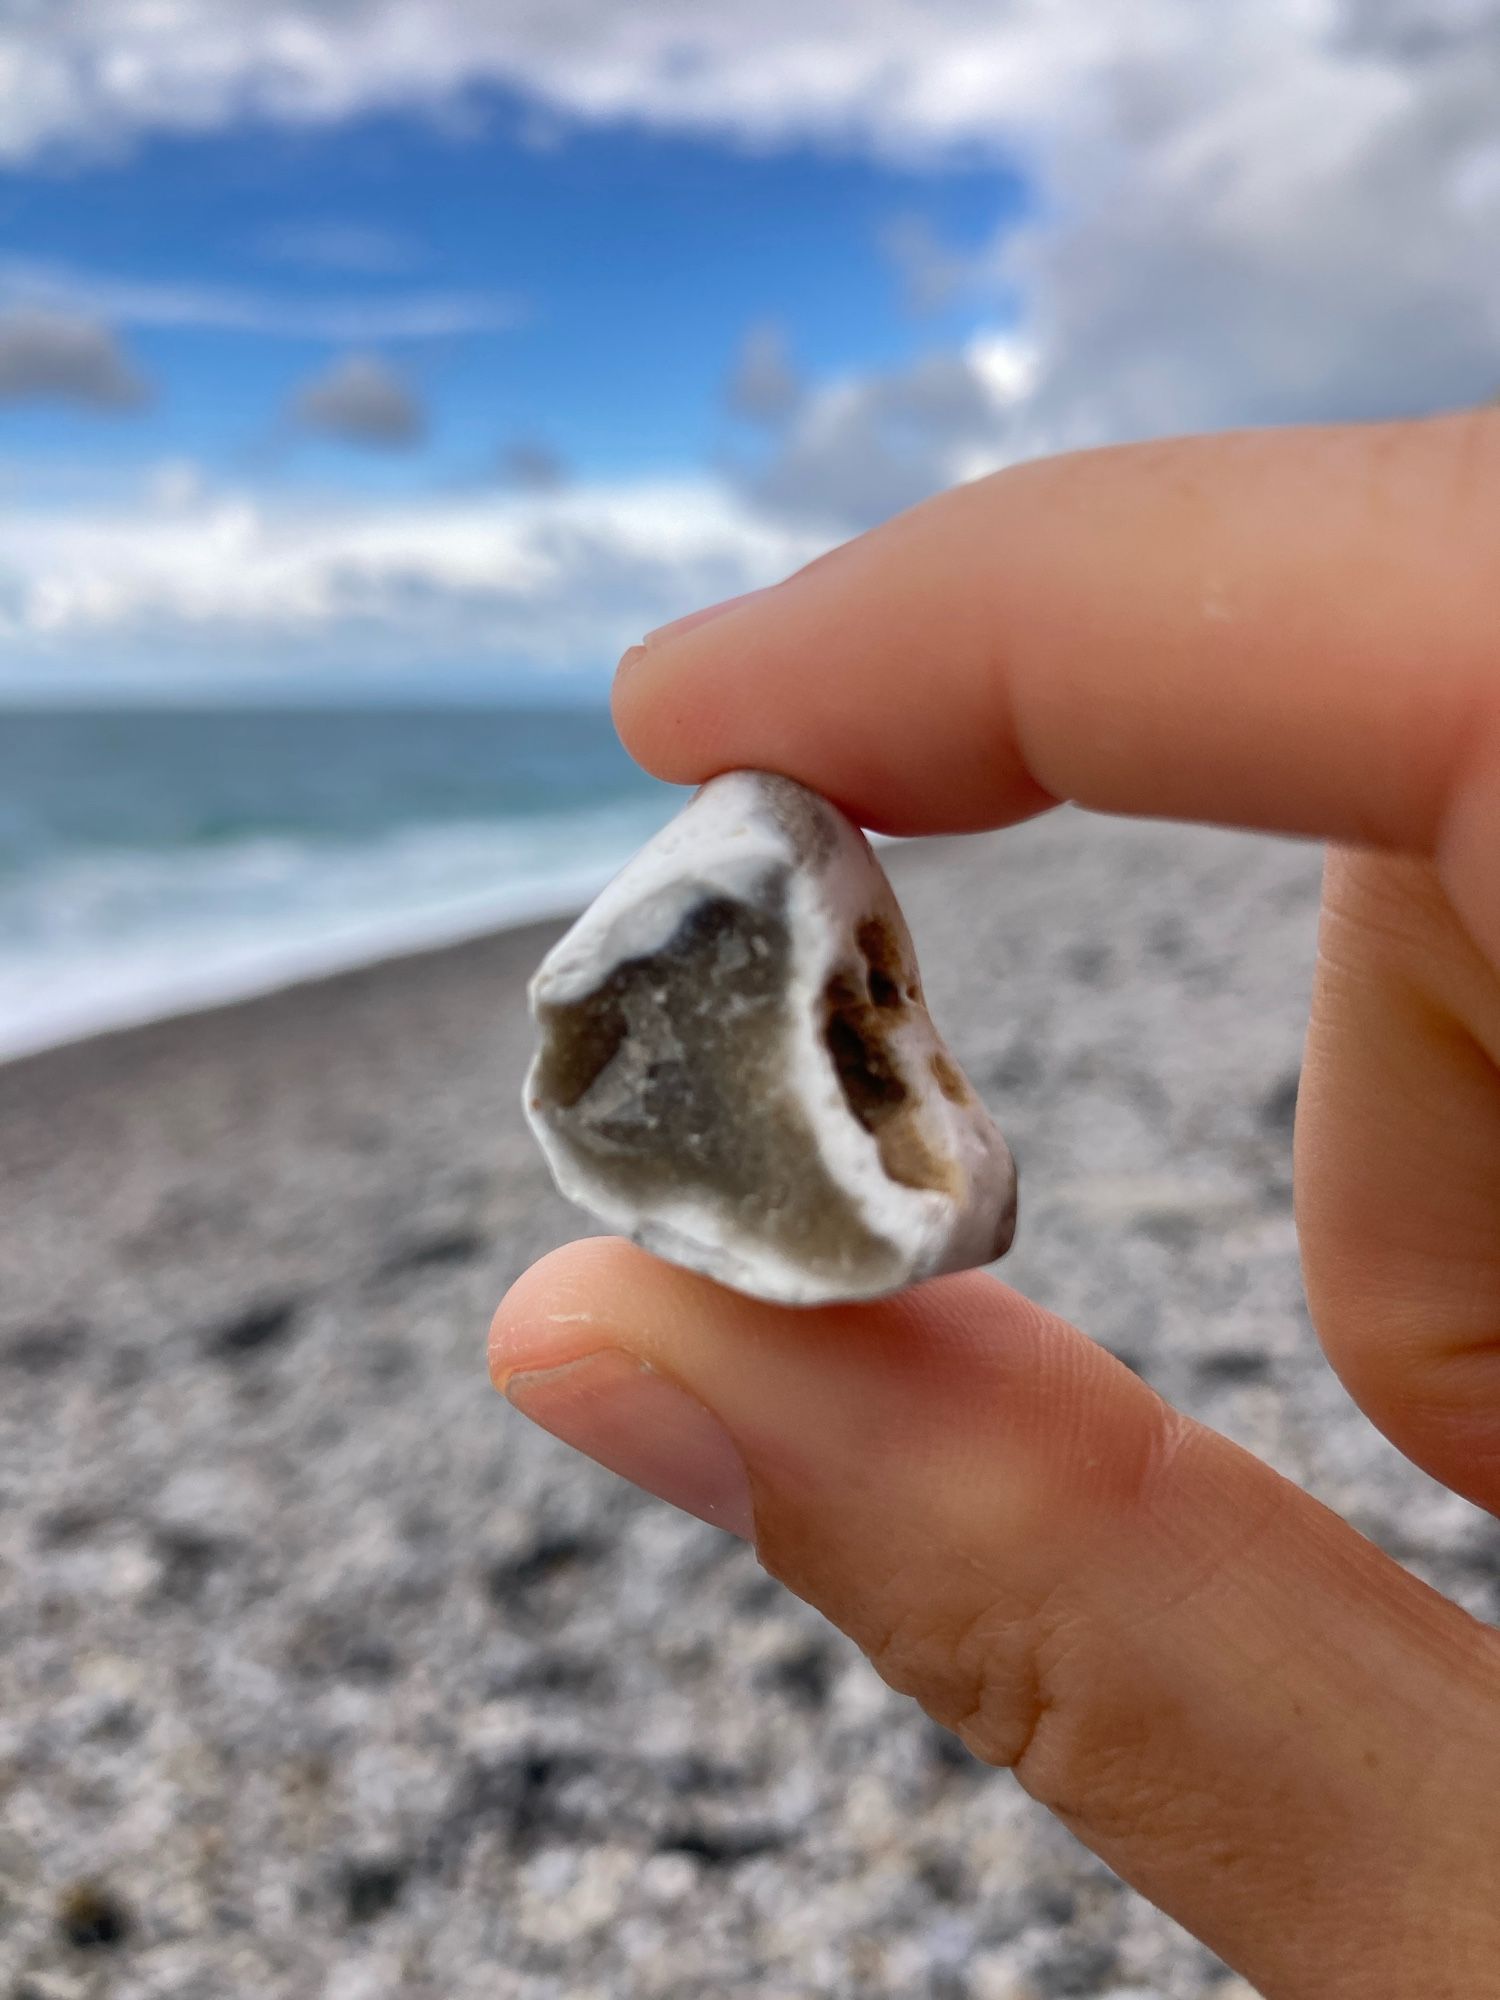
441,347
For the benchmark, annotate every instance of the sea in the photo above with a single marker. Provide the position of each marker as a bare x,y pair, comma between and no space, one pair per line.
157,860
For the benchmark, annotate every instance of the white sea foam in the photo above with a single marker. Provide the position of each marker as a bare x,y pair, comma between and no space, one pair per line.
103,939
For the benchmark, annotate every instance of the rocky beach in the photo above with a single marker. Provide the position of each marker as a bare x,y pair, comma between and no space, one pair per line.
324,1677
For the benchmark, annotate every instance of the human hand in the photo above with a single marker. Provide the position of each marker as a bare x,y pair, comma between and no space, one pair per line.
1252,1714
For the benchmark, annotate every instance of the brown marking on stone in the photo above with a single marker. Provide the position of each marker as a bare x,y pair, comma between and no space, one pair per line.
855,1030
885,961
950,1078
907,1158
855,1036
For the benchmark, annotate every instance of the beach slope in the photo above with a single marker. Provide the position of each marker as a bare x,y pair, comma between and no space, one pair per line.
323,1675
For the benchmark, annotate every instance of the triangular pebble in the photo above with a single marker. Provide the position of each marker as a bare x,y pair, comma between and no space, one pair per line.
738,1068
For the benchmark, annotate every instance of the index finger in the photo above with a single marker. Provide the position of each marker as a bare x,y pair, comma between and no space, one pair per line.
1296,630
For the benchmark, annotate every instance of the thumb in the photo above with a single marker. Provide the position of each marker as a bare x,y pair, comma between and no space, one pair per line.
1251,1713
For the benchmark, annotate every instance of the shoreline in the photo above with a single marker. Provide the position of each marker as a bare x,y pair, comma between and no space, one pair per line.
292,969
149,869
321,987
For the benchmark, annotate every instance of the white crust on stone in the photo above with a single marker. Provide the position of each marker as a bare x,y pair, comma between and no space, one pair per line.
750,838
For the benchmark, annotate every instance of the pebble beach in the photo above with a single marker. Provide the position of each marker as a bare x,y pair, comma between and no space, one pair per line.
324,1677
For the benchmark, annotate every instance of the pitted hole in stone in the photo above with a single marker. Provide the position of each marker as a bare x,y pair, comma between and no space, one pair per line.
886,970
883,990
855,1036
671,1082
854,1031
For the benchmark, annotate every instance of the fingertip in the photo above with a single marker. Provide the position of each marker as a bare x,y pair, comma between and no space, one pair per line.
1216,628
662,711
574,1297
864,678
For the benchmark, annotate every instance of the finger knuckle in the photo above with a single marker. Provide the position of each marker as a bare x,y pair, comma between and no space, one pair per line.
1017,1659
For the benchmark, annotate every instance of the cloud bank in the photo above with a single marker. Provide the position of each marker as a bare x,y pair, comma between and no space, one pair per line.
473,584
898,74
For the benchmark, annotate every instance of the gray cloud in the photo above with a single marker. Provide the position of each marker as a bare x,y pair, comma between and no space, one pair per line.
361,400
764,386
931,274
1300,233
531,465
62,358
865,449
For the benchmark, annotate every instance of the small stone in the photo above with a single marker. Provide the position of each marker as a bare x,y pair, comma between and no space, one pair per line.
995,1975
92,1917
738,1068
372,1888
51,1985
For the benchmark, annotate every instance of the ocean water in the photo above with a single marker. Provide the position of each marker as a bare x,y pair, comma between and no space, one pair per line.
156,860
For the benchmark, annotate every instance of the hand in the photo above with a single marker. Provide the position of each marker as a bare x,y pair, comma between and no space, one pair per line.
1251,1713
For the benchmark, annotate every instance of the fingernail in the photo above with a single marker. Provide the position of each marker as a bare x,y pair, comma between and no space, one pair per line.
640,1424
690,623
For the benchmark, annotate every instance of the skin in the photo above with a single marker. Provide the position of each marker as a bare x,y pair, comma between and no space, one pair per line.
1250,1712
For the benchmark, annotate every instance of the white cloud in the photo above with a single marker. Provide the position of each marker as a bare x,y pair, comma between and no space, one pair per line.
359,248
53,357
33,285
900,75
1295,225
277,589
896,72
176,485
361,400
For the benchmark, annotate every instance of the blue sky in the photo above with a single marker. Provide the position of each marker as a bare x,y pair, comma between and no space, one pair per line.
630,263
416,345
